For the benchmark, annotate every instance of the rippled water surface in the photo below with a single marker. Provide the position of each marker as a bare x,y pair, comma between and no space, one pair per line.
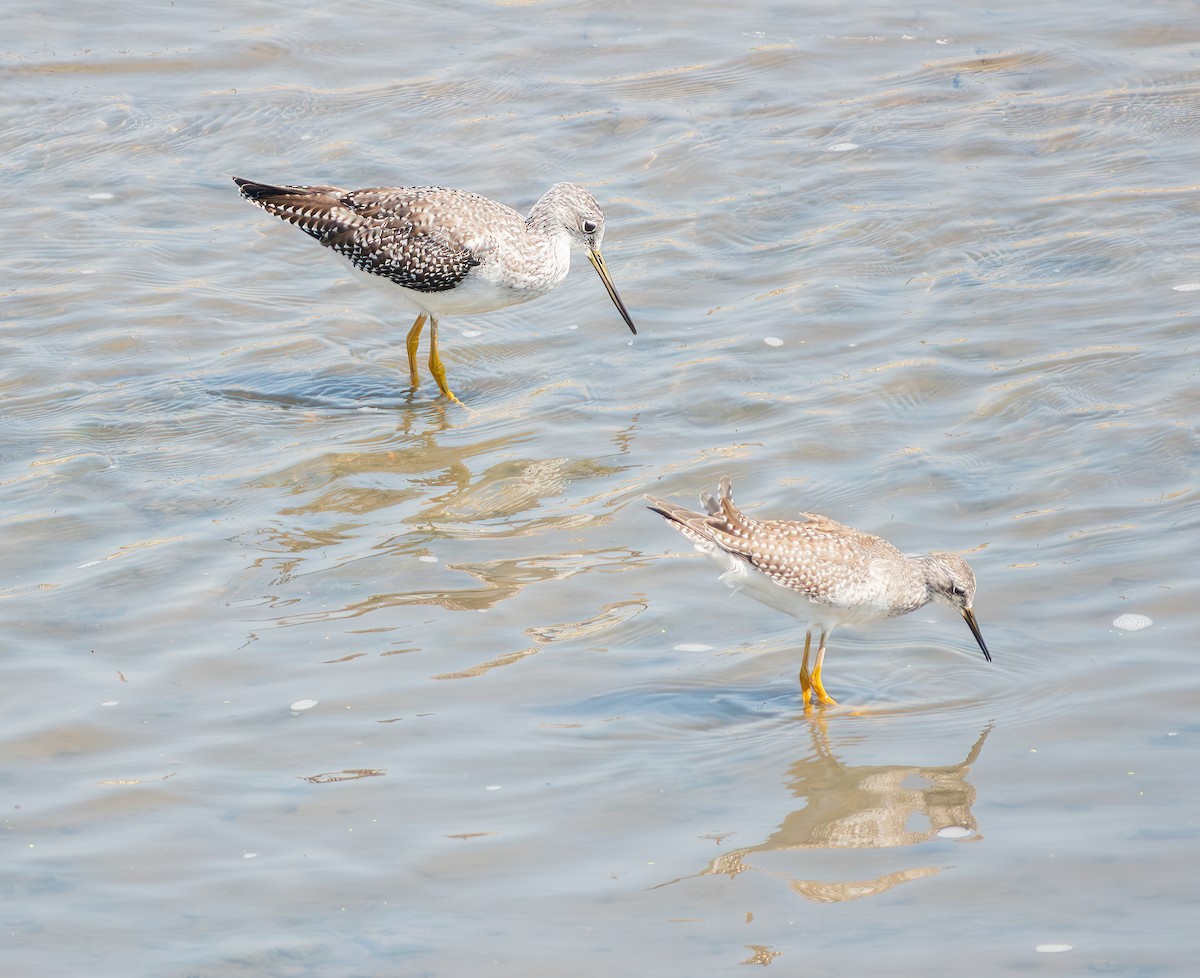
306,674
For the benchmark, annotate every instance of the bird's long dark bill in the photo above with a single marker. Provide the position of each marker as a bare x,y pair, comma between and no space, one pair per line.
969,618
602,270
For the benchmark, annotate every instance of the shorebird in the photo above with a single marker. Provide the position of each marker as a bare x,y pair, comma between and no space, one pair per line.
821,572
450,252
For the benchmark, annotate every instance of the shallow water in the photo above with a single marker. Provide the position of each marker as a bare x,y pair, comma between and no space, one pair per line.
932,272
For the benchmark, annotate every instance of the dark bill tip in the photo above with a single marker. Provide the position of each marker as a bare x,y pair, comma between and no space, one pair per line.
602,270
969,618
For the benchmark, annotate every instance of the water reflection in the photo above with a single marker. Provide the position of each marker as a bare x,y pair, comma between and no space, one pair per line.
349,774
609,616
446,517
863,807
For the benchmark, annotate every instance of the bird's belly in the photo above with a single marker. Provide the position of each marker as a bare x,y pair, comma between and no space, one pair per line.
740,576
847,606
469,297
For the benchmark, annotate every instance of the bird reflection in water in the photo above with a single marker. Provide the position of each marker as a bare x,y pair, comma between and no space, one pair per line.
862,807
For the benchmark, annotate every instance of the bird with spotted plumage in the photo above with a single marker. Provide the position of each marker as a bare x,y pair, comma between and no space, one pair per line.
821,572
450,252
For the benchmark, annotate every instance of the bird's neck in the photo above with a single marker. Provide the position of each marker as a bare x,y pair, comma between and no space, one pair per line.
543,222
928,570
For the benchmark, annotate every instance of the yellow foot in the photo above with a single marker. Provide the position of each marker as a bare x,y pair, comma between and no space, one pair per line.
439,374
817,685
822,697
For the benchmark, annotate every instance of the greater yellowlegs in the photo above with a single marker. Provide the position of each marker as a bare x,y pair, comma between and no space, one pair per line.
450,251
821,572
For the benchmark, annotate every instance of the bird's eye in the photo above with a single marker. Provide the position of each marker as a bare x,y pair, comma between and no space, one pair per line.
958,592
589,227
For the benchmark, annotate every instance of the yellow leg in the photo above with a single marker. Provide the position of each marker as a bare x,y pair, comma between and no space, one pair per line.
435,361
805,678
411,341
817,685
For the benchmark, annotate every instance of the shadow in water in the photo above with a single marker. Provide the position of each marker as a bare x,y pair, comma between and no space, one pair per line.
354,392
862,807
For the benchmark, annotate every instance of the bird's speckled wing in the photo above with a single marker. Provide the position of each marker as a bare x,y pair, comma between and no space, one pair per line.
393,232
814,555
817,556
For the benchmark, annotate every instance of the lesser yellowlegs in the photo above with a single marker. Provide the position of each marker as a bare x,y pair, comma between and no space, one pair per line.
821,572
449,251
